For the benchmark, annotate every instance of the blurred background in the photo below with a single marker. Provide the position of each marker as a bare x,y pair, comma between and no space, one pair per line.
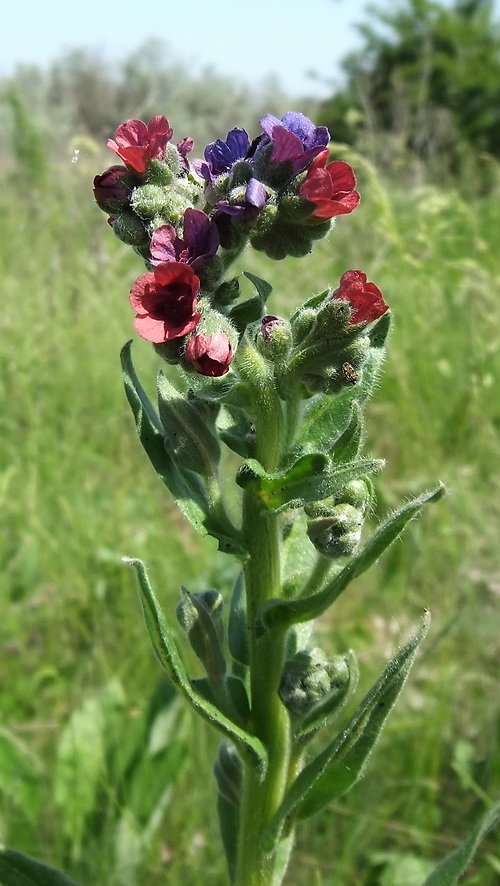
100,768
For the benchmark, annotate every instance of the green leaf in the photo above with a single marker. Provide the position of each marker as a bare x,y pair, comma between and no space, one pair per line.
186,486
284,613
188,438
347,447
229,823
17,869
237,631
263,288
451,868
339,766
154,775
167,652
20,776
311,478
80,761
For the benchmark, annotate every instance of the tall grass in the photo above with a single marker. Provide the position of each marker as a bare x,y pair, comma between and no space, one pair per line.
76,494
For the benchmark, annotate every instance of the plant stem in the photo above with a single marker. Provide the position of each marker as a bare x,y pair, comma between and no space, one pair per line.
262,794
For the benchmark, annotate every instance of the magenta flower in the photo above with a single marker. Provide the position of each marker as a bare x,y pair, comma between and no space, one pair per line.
165,302
295,139
198,245
209,354
330,188
136,144
366,299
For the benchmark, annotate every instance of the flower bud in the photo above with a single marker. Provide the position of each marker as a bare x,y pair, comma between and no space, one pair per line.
209,350
309,677
129,228
227,292
112,189
335,531
274,338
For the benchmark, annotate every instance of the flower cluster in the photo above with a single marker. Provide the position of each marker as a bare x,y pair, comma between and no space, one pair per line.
189,219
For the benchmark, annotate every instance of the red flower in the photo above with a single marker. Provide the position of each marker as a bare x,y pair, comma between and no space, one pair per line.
365,298
330,188
209,354
137,143
165,302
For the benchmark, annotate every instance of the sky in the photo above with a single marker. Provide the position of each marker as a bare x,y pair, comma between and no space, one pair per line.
249,41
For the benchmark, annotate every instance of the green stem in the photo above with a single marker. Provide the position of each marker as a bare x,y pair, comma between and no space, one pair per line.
262,796
270,722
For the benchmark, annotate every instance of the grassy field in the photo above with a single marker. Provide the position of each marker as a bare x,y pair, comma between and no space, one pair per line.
101,772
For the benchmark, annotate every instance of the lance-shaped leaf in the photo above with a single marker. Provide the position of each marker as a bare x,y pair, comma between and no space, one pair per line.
348,445
17,869
229,823
311,478
327,416
251,310
202,622
281,614
451,868
237,628
188,437
186,487
167,652
263,287
339,766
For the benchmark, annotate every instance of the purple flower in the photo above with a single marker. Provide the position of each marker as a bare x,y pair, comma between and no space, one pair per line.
295,139
221,155
252,201
198,245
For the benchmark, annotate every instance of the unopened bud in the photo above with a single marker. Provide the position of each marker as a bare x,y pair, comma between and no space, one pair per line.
130,229
309,677
336,531
274,338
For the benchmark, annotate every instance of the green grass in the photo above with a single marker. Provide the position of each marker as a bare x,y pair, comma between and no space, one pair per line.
77,493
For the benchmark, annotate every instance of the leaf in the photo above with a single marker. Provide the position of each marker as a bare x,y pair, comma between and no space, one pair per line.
263,288
186,486
339,766
284,613
20,776
450,869
348,445
192,443
153,776
166,650
237,631
17,869
80,761
311,478
229,824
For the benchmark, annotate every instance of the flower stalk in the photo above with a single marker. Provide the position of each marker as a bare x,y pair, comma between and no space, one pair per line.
285,394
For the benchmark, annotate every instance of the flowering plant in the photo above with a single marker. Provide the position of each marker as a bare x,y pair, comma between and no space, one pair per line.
285,395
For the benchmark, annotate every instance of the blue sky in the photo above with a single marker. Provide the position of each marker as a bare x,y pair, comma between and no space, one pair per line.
247,40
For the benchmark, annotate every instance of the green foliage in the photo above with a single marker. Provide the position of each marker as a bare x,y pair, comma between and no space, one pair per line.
425,81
